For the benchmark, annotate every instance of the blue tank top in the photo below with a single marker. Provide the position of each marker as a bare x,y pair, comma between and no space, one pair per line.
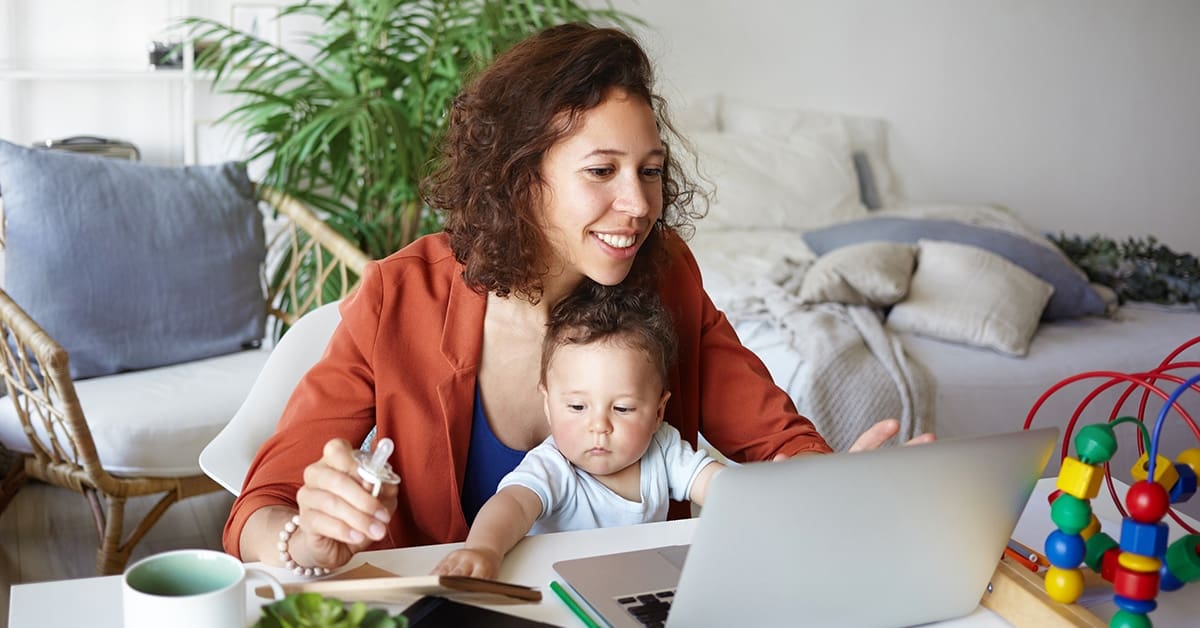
488,460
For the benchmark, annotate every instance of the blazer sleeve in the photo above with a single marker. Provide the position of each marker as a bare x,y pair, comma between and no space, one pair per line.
725,386
335,399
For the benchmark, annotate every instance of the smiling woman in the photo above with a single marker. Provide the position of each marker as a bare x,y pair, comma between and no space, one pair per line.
555,175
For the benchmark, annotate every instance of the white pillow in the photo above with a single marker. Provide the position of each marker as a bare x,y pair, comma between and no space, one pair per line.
870,273
864,134
764,183
962,293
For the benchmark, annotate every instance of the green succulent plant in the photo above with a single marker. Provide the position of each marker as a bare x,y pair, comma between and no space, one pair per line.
1136,269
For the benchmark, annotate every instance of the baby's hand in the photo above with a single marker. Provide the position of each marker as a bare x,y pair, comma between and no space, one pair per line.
477,563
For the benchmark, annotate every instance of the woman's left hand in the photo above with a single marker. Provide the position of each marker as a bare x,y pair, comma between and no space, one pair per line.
879,433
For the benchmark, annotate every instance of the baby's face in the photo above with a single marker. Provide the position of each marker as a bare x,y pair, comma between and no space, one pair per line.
604,401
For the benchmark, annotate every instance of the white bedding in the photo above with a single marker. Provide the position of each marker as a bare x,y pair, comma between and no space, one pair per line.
977,390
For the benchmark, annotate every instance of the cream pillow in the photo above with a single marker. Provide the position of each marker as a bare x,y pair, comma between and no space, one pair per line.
962,293
761,182
870,273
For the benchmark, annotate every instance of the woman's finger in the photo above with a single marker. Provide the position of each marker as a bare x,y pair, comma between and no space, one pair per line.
876,435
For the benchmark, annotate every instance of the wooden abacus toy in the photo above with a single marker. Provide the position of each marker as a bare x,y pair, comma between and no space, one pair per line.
1142,563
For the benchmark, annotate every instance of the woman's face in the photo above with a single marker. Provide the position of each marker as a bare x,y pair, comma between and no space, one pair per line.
603,191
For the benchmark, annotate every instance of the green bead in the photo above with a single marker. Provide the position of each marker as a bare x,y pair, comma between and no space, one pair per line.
1070,513
1096,546
1126,619
1095,443
1182,559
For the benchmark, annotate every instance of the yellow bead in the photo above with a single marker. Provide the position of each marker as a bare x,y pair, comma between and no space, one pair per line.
1092,528
1064,585
1164,471
1137,562
1190,457
1079,479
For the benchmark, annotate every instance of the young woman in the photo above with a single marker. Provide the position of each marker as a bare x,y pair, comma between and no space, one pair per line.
556,168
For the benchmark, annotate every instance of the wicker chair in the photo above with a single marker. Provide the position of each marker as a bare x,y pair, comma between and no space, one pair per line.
61,448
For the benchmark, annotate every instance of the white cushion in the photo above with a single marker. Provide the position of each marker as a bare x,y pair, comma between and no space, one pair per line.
870,273
962,293
766,183
155,422
864,134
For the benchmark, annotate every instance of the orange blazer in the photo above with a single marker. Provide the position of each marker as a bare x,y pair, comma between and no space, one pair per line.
405,359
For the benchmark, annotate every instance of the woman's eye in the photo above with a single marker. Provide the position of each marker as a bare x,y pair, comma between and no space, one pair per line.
652,173
600,171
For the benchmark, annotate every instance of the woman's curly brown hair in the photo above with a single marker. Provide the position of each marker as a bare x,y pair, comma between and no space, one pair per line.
487,178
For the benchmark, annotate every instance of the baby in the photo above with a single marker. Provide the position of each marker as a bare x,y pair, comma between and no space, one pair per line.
610,459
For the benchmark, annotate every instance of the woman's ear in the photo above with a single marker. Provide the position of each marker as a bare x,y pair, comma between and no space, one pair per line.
662,405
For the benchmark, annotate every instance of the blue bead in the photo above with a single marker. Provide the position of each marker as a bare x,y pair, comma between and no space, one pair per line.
1140,607
1147,539
1185,486
1167,580
1065,550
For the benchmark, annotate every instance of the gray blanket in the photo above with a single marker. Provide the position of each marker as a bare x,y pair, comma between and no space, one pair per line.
855,373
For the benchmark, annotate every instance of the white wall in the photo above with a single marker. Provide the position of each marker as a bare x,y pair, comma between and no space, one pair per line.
1081,115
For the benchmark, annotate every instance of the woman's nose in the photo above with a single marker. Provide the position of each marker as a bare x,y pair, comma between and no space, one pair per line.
633,198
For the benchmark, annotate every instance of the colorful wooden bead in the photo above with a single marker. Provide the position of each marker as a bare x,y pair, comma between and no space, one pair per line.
1079,479
1183,558
1125,619
1070,513
1185,487
1190,457
1095,443
1064,585
1065,550
1147,539
1053,496
1164,470
1137,562
1092,528
1109,563
1097,546
1167,580
1135,585
1147,501
1140,607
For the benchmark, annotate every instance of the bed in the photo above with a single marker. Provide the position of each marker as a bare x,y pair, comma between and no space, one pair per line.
982,313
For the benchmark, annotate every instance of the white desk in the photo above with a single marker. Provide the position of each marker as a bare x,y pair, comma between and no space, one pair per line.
97,601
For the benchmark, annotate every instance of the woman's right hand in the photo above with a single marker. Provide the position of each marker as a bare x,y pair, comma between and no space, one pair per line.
338,515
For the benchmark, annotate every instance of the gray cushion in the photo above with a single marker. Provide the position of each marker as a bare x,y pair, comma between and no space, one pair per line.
131,266
1073,296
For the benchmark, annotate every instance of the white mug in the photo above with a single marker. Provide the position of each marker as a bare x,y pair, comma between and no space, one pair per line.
192,588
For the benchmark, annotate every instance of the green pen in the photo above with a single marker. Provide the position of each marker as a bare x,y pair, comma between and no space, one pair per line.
573,605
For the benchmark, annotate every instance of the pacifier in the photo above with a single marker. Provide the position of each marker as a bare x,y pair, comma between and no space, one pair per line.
374,468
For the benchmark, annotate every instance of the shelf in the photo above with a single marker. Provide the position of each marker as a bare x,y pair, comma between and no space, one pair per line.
93,74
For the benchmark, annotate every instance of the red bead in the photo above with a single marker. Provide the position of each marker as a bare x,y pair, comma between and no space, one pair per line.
1109,563
1135,585
1147,501
1053,496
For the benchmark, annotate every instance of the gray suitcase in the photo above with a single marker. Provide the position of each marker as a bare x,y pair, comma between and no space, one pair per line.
91,145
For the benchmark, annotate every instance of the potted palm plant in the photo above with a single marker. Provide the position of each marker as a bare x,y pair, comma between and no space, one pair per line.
350,130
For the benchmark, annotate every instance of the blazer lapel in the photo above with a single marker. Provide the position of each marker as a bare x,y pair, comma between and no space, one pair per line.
461,344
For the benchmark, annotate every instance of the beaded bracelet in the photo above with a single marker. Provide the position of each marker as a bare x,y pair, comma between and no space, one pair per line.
284,555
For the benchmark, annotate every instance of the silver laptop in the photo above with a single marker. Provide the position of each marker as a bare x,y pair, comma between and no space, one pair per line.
893,537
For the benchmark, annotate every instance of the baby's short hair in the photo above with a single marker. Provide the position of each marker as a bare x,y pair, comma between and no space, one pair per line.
595,312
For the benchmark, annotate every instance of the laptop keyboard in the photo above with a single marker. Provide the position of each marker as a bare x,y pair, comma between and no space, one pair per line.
649,608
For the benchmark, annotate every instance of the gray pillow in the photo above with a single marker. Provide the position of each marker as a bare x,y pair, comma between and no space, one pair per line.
132,266
1073,296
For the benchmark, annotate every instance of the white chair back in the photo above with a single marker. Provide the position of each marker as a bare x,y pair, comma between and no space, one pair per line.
227,457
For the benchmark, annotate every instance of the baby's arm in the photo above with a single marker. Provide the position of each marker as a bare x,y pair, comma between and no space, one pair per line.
504,520
700,484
